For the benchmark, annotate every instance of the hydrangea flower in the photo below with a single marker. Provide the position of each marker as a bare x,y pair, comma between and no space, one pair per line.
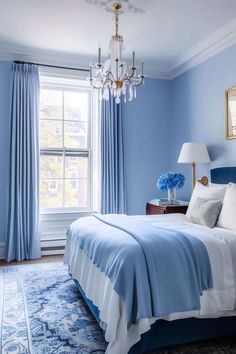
170,180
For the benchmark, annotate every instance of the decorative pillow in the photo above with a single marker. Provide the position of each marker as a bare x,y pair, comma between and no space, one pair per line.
205,211
227,217
212,191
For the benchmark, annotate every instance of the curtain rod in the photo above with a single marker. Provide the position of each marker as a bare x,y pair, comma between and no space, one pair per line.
50,66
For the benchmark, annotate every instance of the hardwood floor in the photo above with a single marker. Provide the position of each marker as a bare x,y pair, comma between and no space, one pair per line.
44,259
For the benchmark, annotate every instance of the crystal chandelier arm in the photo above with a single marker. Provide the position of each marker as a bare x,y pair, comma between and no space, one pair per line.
107,81
110,77
132,73
94,86
134,82
138,83
128,77
141,77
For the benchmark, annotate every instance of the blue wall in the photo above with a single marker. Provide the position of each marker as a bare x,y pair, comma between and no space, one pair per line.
5,94
145,140
198,114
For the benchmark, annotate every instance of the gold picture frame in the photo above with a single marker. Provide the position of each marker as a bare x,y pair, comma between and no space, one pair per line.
230,105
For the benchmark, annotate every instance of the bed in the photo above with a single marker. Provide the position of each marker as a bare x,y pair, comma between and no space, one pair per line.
131,326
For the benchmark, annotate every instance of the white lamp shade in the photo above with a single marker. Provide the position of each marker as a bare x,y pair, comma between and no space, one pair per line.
194,152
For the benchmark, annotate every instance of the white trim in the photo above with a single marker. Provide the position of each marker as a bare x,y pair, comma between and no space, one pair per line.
67,59
50,57
157,72
2,250
213,44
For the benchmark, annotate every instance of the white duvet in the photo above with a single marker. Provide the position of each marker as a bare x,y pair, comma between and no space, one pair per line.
219,301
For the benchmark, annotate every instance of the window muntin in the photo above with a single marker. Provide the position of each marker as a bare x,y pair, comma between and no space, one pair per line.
65,145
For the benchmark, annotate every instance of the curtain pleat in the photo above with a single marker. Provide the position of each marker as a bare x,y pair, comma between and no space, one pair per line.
23,213
112,159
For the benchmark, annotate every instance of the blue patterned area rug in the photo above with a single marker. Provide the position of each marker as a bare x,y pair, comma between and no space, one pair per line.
42,312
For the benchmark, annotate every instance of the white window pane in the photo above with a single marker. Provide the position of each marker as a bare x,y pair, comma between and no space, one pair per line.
51,193
76,105
76,167
64,123
51,104
51,166
76,194
75,134
51,133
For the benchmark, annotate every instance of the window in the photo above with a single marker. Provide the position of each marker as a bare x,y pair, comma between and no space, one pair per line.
66,110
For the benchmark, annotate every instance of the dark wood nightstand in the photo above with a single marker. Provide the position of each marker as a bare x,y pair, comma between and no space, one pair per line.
153,207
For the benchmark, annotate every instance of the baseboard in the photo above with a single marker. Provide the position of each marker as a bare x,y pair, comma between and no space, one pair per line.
52,252
48,248
2,250
52,247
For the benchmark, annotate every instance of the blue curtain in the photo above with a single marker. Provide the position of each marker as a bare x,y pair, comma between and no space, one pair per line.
112,159
23,211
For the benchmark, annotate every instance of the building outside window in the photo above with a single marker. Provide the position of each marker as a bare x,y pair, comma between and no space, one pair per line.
66,168
52,186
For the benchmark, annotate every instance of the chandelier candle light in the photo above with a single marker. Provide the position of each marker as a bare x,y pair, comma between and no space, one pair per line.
114,77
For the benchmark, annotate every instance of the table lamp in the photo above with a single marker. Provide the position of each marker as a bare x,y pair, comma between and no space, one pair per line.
194,153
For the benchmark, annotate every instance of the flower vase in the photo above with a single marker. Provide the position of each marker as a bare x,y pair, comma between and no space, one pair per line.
172,196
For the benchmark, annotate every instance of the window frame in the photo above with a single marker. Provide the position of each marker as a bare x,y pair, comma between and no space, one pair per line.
77,85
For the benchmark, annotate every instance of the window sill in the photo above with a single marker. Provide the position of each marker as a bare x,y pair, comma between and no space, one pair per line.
67,212
66,216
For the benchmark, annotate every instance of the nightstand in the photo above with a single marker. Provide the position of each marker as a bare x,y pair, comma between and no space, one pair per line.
153,207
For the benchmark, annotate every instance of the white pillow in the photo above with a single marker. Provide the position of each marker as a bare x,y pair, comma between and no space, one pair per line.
227,217
205,212
212,191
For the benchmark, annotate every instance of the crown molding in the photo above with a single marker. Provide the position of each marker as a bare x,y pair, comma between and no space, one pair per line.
72,60
213,44
42,56
205,49
157,71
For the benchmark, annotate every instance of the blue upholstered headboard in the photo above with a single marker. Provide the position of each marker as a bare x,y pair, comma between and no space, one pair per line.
223,175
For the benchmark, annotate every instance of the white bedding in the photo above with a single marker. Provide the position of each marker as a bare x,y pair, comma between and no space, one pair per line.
219,301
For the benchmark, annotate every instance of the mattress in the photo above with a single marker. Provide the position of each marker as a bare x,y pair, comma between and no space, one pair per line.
220,244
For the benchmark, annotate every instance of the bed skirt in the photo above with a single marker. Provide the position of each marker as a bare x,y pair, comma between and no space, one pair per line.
166,333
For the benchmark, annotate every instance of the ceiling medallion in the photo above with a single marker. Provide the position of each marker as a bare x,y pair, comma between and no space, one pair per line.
114,77
108,5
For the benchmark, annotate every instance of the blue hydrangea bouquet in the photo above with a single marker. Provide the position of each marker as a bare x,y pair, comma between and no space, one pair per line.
170,181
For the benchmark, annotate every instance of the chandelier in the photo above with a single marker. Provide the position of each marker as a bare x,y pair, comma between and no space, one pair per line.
114,77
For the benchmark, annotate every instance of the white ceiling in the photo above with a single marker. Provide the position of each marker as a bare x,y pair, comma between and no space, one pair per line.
161,36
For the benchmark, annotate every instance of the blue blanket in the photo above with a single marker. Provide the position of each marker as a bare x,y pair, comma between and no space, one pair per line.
155,271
